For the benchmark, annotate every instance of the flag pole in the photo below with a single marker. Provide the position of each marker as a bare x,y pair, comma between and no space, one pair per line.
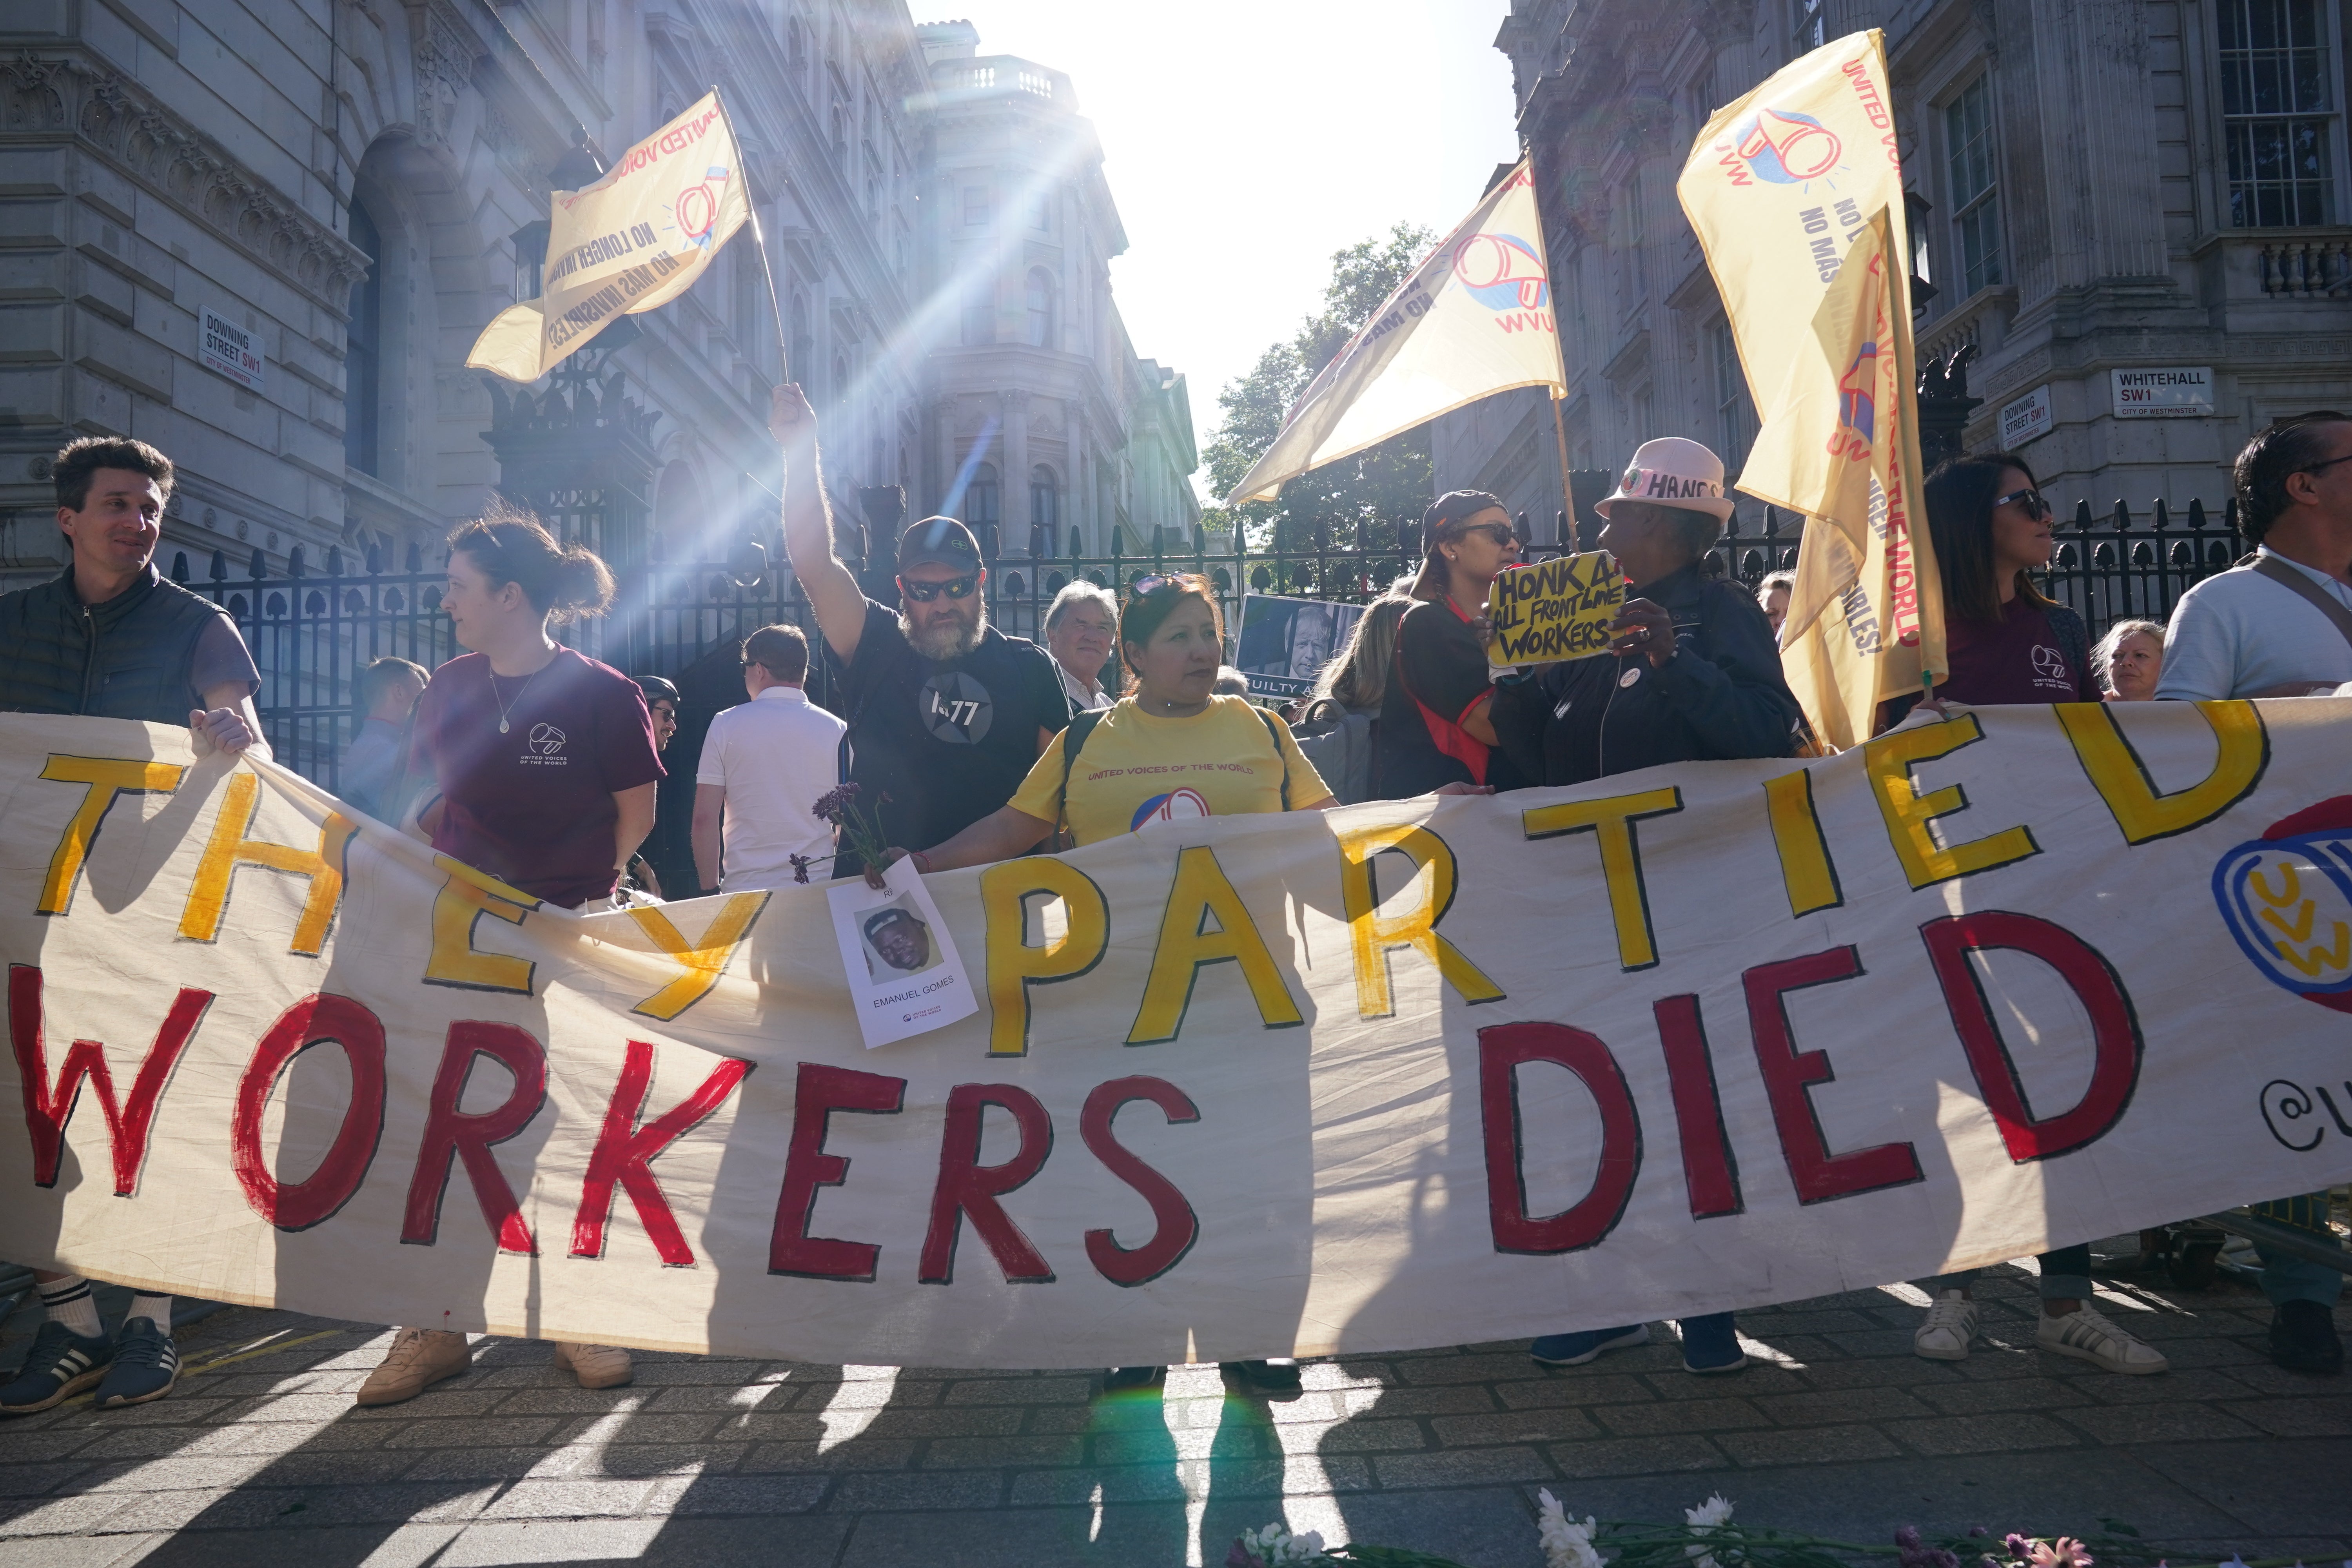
760,239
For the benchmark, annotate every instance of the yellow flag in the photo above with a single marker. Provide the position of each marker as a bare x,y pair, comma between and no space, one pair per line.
1473,319
1796,193
636,239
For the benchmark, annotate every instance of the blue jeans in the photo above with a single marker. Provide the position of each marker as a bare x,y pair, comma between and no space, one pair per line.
2065,1275
2286,1278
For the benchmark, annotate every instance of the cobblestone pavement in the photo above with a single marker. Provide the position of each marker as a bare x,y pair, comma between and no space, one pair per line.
261,1457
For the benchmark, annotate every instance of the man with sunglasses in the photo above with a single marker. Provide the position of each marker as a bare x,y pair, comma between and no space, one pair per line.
946,714
2280,625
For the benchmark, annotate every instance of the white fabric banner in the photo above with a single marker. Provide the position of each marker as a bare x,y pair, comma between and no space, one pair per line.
1403,1074
1473,319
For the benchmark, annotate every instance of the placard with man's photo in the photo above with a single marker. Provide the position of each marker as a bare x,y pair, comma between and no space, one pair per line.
1285,643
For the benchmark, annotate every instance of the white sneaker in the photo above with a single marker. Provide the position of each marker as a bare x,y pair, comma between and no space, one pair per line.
2086,1335
1950,1328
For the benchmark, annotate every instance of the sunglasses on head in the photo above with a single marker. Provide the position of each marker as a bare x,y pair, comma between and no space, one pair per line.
2030,498
954,588
1144,587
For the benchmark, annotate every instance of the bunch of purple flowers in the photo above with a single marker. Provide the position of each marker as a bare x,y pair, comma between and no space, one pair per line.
858,831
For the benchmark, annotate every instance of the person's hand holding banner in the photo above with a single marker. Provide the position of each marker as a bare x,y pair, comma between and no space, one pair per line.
1553,610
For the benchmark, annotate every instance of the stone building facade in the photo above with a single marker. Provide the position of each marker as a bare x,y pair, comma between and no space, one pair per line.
2129,205
1044,420
337,197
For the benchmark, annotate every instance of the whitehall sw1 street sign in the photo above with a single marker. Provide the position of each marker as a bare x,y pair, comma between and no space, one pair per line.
2177,393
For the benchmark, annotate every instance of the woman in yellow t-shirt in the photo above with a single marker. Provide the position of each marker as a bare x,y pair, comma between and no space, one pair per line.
1170,750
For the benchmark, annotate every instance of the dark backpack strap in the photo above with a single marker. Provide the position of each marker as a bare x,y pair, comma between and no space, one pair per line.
1074,740
1279,755
2288,577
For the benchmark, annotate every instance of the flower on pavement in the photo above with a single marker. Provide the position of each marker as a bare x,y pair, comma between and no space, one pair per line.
1565,1543
1703,1520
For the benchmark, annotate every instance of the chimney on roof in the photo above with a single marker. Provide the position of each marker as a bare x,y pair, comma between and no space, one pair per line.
957,40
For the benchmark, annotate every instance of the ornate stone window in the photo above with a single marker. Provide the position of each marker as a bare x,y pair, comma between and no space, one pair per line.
1972,165
363,359
983,497
1041,309
2278,109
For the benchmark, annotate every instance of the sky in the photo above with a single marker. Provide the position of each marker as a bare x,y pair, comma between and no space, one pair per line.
1245,141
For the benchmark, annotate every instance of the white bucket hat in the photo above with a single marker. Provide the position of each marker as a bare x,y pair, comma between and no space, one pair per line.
1672,471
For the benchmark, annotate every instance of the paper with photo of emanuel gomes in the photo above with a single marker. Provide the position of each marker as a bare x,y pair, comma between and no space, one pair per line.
905,976
1285,643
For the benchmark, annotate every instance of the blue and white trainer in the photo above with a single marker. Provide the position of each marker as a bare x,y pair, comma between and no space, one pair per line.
61,1364
1575,1350
146,1365
1711,1344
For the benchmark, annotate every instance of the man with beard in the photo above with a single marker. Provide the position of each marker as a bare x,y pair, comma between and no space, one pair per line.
946,714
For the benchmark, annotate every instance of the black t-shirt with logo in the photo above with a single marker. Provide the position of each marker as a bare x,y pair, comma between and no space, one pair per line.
949,741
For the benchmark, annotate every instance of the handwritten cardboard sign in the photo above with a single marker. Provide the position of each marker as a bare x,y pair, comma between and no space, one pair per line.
1554,610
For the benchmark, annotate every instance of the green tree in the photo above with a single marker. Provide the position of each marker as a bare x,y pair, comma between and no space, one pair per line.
1380,485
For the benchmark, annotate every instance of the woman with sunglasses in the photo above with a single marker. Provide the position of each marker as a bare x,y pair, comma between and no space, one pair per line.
2009,643
1437,724
2008,640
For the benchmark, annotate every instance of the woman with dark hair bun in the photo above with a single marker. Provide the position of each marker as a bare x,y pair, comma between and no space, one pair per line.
2012,643
546,768
1437,724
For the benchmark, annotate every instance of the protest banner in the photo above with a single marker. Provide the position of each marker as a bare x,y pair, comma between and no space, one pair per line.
1795,192
1554,610
1473,319
1409,1073
636,239
1284,643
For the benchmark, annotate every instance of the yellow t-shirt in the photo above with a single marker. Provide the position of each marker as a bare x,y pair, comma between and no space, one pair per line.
1135,770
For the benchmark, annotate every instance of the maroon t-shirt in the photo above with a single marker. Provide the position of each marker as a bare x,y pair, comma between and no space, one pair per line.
2017,659
534,806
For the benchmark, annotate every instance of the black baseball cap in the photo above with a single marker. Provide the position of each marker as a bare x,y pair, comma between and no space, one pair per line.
939,539
657,689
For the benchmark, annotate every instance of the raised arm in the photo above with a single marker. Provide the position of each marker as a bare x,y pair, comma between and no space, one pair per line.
832,592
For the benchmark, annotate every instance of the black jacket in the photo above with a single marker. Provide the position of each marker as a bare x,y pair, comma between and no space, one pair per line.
1721,697
130,658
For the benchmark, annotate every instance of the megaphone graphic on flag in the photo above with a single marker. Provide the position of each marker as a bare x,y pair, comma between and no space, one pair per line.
1502,271
1788,148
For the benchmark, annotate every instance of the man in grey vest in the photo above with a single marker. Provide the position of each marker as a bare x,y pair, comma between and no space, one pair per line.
2280,625
108,637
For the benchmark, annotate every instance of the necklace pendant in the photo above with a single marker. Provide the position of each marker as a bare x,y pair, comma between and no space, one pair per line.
502,726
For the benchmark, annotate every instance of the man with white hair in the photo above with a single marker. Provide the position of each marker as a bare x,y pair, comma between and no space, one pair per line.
1080,626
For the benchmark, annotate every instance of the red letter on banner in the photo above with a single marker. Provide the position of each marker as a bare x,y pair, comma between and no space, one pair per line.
314,1020
819,1092
2114,1028
1502,1050
967,1186
48,1110
449,1132
1710,1172
1788,1075
625,1152
1175,1227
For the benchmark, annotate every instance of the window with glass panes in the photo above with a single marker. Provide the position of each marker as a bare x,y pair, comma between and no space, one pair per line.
1811,19
1968,153
2278,100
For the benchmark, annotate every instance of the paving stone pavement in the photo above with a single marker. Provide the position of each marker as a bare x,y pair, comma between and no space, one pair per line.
261,1457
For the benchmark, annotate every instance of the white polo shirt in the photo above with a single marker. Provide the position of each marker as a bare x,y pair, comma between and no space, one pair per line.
775,756
1081,700
2239,632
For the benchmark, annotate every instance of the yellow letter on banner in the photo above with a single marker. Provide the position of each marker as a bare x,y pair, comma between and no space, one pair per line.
1013,967
1373,935
1806,869
229,847
463,900
107,777
2122,781
1206,924
1611,821
1889,759
704,960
